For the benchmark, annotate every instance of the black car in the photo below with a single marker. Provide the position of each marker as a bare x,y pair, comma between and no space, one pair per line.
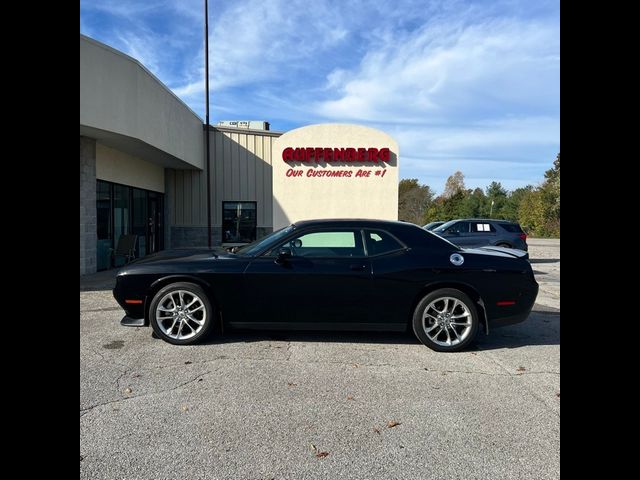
331,274
432,225
480,232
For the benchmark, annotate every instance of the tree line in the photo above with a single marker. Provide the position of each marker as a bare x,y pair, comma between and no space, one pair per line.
536,209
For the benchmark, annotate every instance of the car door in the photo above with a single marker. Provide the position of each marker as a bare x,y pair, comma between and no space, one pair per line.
481,234
393,271
322,285
458,233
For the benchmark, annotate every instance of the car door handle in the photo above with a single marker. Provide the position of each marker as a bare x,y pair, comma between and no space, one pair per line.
357,267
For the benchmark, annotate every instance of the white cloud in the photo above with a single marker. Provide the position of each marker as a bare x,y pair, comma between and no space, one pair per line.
450,70
460,85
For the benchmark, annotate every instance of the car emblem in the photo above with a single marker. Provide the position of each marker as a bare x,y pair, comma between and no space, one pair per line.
456,259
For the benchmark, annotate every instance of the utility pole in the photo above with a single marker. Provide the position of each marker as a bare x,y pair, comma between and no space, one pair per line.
206,128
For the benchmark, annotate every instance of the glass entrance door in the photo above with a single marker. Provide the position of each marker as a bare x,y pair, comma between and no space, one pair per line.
123,210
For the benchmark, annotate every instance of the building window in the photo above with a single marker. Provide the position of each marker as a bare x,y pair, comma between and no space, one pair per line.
123,210
239,222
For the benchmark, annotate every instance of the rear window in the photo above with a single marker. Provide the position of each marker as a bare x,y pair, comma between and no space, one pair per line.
511,227
482,227
379,242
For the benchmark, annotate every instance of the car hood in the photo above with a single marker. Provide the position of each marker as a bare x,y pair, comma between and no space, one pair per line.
181,254
498,251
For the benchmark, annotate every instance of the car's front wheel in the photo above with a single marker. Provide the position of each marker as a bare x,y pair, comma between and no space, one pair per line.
446,320
181,313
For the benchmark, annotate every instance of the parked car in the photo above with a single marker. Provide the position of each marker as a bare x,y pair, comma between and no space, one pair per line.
480,232
432,225
331,275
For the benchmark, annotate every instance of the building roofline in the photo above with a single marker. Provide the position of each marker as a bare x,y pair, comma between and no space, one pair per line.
249,131
130,58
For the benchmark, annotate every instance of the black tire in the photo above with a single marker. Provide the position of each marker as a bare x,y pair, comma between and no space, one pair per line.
188,289
468,336
505,245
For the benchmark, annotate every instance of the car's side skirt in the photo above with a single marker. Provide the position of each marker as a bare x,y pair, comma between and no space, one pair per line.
371,327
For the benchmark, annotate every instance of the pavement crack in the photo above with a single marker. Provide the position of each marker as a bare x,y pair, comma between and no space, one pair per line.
524,385
493,374
84,411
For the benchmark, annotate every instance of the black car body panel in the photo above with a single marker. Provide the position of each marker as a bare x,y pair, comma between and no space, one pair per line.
367,290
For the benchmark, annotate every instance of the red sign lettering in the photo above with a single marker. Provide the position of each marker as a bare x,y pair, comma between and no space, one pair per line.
336,155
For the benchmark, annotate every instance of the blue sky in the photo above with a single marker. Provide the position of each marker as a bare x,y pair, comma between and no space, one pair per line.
469,86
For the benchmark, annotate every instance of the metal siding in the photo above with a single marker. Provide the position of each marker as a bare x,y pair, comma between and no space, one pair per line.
170,194
258,180
251,168
186,194
268,184
178,216
216,198
235,167
195,198
227,190
203,185
241,169
242,166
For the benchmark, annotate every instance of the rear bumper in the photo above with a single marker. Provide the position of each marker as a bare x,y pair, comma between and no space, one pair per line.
513,319
510,315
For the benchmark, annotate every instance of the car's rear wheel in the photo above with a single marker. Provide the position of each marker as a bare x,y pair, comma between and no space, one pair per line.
446,320
181,313
505,245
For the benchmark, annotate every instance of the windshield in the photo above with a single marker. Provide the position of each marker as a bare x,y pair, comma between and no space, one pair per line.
254,247
444,226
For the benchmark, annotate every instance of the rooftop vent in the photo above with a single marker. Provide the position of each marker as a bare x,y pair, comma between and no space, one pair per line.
250,124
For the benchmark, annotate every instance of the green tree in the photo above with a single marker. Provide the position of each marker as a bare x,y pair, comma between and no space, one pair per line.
452,206
512,204
498,195
413,201
473,204
552,187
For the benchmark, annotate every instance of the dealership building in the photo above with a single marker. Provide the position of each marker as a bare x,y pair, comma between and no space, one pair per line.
143,169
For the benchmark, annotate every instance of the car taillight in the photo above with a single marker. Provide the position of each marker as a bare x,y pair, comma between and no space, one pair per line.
523,237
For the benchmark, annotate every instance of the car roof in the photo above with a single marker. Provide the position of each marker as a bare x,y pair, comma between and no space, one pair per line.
356,222
484,220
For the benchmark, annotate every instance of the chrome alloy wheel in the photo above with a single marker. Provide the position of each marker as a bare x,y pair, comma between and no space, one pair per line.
447,321
180,314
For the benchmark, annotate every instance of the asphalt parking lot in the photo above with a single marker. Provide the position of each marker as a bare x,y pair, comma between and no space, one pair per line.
321,406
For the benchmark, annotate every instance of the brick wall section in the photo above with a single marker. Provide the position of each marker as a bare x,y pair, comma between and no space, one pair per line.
182,237
87,205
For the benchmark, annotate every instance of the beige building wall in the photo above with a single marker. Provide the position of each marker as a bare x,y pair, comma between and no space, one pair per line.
119,167
240,171
122,101
307,197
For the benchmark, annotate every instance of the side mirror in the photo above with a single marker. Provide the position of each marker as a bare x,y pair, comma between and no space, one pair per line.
283,254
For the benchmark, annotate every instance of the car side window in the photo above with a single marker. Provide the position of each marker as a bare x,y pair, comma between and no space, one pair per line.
482,227
328,243
379,242
460,227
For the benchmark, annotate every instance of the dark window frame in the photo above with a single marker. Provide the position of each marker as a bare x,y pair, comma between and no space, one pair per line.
300,233
160,198
255,203
403,246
